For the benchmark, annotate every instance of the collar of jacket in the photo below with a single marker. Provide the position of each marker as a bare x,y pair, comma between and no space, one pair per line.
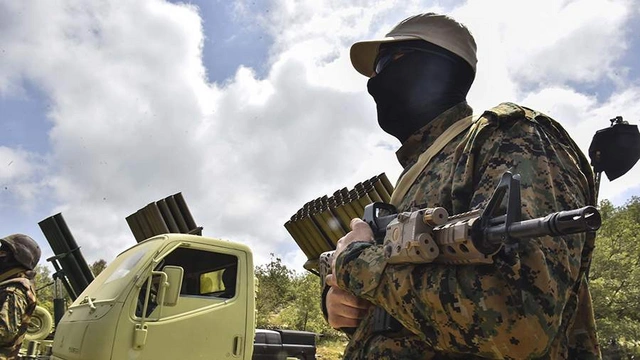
417,143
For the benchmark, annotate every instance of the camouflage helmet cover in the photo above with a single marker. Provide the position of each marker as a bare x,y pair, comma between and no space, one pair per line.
24,249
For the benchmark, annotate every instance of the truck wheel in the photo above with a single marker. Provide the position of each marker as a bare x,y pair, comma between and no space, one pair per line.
40,325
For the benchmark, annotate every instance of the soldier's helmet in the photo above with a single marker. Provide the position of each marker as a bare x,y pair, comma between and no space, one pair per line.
24,249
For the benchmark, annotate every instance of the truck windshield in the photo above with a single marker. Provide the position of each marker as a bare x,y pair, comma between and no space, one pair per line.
110,283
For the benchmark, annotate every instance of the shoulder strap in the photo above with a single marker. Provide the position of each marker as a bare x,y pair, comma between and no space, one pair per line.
10,273
411,175
19,280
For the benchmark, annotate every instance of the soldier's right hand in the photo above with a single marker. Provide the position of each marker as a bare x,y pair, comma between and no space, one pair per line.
344,309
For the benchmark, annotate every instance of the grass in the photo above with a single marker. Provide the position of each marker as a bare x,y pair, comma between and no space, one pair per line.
330,349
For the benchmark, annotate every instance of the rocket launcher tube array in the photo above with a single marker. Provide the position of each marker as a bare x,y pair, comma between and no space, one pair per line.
318,225
168,215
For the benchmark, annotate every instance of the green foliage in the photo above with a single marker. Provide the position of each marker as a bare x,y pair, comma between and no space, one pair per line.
44,287
615,275
98,266
304,313
275,290
288,300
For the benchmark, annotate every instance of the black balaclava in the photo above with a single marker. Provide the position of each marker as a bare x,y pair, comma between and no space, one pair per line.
416,88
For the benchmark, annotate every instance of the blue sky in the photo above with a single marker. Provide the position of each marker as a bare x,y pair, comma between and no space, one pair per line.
252,107
232,39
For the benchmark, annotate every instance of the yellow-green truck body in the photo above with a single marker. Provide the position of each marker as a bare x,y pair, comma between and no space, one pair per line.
122,315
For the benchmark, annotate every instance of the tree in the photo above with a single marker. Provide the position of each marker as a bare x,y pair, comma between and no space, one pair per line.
288,300
98,266
304,312
44,287
615,274
306,306
275,290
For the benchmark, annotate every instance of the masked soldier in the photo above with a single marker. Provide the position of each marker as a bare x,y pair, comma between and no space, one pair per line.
533,301
19,255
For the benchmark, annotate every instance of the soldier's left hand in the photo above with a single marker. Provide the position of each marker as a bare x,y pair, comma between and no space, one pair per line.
360,231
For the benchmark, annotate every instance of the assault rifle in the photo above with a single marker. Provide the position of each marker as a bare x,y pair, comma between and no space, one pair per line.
430,235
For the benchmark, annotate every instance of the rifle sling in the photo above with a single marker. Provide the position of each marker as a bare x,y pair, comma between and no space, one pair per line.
9,274
410,176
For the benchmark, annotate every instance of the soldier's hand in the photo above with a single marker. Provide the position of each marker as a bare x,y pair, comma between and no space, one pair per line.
360,231
344,309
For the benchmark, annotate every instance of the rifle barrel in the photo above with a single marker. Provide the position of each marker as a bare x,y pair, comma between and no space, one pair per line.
568,222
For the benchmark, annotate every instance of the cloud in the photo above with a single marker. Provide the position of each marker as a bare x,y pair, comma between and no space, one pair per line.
553,41
14,164
18,180
126,86
135,118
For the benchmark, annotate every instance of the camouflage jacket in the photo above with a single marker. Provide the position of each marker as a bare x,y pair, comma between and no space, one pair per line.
17,303
533,301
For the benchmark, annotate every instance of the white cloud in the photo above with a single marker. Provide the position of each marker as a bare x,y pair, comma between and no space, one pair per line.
14,164
134,118
552,41
18,178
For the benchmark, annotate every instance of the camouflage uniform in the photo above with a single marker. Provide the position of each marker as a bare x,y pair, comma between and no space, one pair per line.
533,302
17,303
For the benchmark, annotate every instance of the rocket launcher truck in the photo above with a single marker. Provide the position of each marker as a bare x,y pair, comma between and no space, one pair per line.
174,295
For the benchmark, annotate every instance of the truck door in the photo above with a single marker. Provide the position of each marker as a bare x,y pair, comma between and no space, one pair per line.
209,320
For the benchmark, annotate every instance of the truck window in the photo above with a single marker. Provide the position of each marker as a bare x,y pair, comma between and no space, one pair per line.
111,282
124,267
206,274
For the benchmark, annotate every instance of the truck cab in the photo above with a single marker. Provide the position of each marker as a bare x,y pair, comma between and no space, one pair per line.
173,296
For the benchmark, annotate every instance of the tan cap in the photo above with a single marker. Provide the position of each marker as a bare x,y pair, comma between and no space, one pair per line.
437,29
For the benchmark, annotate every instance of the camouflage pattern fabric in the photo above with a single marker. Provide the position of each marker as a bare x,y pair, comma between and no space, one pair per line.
533,302
17,303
